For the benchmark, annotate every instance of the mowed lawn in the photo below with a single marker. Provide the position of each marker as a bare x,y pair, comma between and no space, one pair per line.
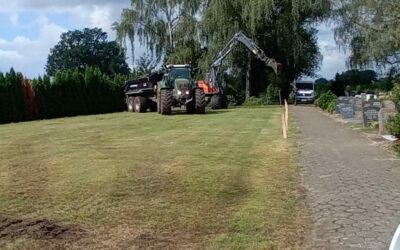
224,180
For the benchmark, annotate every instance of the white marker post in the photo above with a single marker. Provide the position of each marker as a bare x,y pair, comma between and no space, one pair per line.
395,245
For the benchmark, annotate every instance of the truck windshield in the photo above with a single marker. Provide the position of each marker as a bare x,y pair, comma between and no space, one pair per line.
305,86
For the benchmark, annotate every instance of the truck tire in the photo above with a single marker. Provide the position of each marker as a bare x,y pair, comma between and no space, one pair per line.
200,101
159,103
140,104
219,102
130,104
166,102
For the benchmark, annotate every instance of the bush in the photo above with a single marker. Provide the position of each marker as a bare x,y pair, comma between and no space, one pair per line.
393,125
253,102
327,101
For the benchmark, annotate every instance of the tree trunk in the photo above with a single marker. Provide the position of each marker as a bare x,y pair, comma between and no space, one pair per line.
248,82
133,53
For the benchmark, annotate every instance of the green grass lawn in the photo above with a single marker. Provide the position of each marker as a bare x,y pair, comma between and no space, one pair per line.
224,180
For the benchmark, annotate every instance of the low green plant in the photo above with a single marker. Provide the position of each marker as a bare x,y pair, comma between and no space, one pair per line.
253,102
331,106
374,125
393,125
327,101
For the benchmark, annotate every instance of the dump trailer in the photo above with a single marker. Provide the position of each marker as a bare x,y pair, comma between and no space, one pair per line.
213,87
141,93
178,89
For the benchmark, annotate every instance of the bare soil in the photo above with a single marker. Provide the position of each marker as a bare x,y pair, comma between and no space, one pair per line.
13,228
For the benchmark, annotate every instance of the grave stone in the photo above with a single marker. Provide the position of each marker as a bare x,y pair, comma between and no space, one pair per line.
343,101
383,116
347,111
358,105
389,105
370,114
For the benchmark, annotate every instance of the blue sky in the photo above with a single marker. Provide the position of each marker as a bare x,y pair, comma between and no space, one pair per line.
30,28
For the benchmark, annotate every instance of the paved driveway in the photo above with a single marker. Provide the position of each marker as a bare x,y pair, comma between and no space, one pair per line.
354,186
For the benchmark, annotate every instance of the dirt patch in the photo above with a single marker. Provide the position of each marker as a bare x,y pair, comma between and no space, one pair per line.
12,228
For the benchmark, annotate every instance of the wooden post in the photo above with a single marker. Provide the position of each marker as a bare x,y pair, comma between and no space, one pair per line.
284,129
287,115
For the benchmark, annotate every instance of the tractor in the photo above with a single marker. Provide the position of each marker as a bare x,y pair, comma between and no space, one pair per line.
178,89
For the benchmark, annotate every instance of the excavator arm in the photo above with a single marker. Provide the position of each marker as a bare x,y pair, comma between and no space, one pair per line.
239,37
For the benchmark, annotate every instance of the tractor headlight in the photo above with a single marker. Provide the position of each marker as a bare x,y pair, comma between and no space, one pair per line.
187,92
179,92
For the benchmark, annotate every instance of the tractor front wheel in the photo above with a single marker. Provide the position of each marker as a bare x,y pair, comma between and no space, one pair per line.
200,101
166,102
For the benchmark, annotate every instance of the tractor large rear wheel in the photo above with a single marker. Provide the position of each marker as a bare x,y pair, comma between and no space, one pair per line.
166,101
130,104
140,104
200,101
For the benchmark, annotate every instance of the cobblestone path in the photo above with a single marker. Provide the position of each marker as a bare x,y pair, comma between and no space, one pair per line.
353,186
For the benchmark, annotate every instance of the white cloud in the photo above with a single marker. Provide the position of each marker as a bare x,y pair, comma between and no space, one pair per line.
29,55
14,19
334,58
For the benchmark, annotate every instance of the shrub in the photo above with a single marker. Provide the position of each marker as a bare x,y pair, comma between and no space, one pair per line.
253,101
331,106
327,101
393,125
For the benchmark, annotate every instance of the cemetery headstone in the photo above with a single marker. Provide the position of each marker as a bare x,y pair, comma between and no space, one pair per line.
383,116
343,101
358,105
347,111
370,114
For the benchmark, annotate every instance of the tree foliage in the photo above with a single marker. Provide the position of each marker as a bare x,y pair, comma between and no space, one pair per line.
79,93
13,107
160,25
371,30
282,29
87,48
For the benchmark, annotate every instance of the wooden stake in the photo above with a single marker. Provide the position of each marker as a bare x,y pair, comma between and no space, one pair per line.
284,129
287,115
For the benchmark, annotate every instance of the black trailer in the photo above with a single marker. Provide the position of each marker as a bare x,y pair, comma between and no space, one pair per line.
141,93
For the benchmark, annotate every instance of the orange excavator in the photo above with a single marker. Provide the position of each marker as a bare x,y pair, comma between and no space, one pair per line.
212,87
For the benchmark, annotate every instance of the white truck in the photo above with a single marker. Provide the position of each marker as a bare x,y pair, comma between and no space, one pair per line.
304,92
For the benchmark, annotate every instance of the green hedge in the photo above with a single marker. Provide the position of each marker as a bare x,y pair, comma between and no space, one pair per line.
70,93
74,93
13,107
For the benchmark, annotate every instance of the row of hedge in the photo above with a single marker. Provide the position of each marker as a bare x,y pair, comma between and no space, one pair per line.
70,93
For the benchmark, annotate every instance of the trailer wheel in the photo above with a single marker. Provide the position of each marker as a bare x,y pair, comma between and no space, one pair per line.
166,102
130,104
200,101
140,104
219,102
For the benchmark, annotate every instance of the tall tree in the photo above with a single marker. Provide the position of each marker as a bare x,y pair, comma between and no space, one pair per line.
282,28
370,28
88,48
126,30
156,23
